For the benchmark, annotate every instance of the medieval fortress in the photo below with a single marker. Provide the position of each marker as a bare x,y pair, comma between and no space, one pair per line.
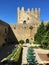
25,20
26,27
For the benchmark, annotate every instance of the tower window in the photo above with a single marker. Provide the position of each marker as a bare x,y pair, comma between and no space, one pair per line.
24,22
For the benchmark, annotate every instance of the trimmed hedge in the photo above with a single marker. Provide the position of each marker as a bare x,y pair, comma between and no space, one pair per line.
30,55
11,55
21,41
14,56
17,54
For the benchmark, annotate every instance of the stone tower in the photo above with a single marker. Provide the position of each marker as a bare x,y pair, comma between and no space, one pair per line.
29,16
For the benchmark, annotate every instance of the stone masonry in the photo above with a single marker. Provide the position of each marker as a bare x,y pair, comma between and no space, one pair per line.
26,19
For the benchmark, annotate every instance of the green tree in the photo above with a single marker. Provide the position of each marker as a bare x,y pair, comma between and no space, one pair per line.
47,26
40,32
45,41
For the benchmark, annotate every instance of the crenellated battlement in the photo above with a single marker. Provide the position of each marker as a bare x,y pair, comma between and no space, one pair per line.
31,13
33,9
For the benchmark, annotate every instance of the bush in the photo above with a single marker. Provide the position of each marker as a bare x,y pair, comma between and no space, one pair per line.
33,46
30,56
17,54
14,55
21,41
35,42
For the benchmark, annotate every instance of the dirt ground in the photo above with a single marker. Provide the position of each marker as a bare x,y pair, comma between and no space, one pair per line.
44,57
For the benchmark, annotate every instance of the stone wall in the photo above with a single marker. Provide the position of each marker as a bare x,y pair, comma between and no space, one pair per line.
23,31
3,32
25,20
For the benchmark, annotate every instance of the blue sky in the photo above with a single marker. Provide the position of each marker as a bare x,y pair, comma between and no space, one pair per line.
8,9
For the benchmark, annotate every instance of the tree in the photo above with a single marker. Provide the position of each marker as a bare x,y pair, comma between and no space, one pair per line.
40,32
47,26
45,41
30,56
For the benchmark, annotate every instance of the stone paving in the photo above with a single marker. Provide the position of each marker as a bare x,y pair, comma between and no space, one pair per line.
42,51
24,61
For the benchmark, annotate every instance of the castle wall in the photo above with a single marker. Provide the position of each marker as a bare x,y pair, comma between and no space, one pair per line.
16,32
22,31
3,32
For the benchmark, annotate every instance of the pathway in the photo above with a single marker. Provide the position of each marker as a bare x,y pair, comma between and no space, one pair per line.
24,61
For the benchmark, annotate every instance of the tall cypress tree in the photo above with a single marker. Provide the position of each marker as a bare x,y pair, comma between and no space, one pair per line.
47,27
40,32
45,40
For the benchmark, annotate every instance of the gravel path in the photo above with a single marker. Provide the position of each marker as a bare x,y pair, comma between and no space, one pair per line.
24,61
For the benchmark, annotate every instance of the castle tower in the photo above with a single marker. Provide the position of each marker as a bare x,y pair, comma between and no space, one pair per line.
33,11
38,13
22,9
28,16
18,14
28,10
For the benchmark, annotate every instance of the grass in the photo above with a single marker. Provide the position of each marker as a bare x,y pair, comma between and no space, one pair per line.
34,47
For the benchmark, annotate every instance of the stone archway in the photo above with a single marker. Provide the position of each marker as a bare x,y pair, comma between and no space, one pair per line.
27,40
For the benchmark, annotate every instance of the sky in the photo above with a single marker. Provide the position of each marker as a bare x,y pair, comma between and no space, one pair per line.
8,9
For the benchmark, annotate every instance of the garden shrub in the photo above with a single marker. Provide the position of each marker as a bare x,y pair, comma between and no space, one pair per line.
14,55
21,41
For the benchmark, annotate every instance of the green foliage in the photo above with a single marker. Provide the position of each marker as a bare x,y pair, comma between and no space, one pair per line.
14,55
17,54
9,56
47,26
41,28
35,42
21,41
30,55
40,32
34,46
45,41
38,37
42,35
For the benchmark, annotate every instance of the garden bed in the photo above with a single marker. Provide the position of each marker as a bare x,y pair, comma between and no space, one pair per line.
14,58
44,57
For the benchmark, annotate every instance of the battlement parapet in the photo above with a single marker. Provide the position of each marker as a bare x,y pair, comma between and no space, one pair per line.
32,10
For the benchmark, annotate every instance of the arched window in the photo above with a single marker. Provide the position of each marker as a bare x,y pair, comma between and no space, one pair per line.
24,22
27,40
